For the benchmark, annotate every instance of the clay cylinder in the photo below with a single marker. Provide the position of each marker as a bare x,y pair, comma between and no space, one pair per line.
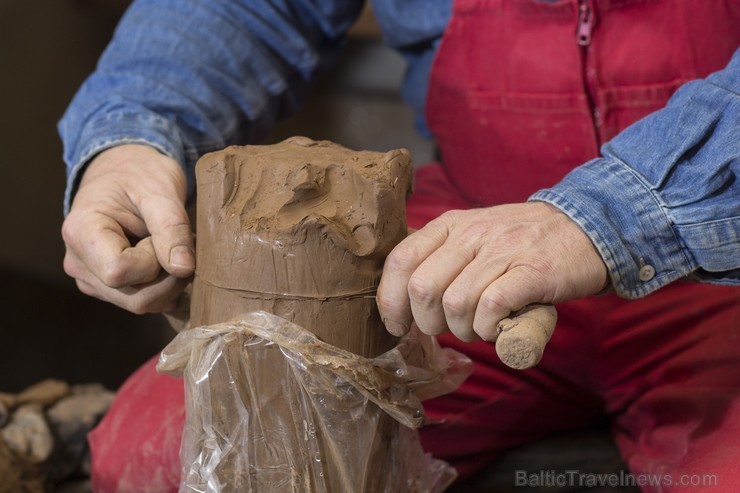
299,229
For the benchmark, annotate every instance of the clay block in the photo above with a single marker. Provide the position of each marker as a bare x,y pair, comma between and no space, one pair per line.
299,229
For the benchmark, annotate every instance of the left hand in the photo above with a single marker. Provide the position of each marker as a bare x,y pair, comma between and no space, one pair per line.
128,236
467,270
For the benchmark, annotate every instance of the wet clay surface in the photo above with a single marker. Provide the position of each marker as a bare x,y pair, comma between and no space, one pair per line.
299,229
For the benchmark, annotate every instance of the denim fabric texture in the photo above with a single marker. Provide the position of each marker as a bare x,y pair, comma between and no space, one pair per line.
191,76
665,196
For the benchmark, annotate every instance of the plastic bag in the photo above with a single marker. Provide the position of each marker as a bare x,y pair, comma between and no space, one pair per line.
271,408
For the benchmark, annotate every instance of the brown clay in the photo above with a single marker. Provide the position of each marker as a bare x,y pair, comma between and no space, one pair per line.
523,336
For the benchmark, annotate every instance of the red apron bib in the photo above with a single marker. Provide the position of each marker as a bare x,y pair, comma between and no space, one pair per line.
522,91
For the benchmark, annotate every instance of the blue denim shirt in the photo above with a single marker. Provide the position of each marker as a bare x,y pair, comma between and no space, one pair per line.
191,76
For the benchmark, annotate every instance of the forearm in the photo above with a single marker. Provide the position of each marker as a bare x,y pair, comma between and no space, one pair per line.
665,196
188,77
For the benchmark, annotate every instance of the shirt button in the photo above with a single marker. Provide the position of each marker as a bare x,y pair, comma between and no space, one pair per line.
647,272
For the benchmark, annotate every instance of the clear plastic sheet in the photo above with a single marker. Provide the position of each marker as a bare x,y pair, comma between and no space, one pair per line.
270,407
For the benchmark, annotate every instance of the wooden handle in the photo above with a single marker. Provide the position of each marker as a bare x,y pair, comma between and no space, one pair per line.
523,336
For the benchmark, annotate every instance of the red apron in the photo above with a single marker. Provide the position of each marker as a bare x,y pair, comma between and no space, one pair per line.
515,102
521,92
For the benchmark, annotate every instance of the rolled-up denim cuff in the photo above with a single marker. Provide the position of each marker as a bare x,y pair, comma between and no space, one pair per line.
116,129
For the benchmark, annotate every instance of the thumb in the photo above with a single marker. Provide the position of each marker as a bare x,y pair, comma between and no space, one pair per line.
172,237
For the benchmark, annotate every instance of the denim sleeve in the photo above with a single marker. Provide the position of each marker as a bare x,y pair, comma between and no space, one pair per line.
663,203
192,76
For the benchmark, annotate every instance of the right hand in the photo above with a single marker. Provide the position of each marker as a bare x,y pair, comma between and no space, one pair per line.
128,237
466,271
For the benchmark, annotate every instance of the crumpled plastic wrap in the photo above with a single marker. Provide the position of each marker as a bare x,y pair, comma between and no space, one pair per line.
271,408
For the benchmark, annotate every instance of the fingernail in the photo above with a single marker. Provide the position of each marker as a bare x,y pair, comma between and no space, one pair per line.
395,328
182,256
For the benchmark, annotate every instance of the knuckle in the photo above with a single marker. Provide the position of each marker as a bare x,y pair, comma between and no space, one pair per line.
536,277
455,305
113,274
476,229
401,256
70,266
422,292
448,217
494,303
69,228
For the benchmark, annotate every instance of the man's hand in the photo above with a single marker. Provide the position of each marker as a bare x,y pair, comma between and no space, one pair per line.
128,237
467,270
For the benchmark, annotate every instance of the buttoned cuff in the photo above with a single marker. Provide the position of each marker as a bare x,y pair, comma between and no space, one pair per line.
626,223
